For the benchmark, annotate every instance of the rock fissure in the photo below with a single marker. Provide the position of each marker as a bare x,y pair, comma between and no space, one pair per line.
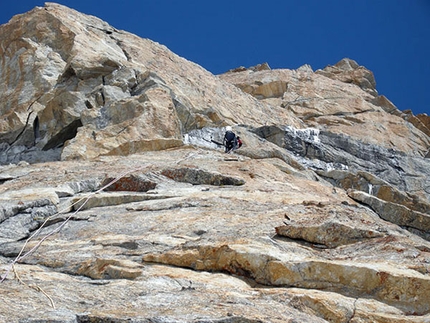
354,306
108,32
126,54
26,124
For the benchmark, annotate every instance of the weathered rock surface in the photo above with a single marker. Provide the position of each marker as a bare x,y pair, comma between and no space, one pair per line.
117,203
99,91
322,101
348,71
233,243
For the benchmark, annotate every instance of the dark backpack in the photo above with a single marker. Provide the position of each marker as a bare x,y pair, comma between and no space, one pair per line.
230,141
230,136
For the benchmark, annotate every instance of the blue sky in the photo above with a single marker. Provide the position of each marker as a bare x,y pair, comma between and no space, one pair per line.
390,38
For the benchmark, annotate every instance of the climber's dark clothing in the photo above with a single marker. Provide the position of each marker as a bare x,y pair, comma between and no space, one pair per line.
230,141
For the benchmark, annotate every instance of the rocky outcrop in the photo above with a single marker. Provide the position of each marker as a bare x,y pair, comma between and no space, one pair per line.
425,120
118,204
322,101
348,71
372,185
350,164
98,91
421,121
259,67
326,151
396,213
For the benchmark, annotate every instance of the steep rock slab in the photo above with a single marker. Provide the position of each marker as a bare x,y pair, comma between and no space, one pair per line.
218,228
373,185
253,147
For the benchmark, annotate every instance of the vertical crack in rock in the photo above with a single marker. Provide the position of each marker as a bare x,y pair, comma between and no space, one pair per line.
18,137
36,129
354,310
120,45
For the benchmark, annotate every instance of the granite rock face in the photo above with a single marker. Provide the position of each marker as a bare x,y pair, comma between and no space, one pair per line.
118,204
72,81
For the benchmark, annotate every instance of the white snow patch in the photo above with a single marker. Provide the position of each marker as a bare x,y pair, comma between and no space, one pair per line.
203,137
308,134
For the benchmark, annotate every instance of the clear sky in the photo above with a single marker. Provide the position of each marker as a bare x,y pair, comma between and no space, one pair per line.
389,37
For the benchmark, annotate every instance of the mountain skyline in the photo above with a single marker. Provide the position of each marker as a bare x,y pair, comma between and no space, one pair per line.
390,40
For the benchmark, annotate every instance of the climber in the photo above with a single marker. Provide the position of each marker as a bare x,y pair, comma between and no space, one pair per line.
230,140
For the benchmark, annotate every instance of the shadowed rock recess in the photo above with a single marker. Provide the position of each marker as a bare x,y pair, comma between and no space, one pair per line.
118,204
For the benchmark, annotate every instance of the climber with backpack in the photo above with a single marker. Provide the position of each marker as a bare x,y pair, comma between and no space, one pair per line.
230,140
